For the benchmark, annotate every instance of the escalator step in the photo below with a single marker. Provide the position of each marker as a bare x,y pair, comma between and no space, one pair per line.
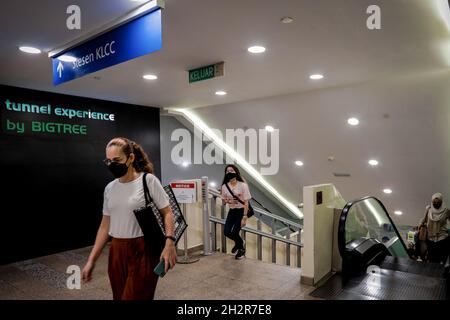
387,285
428,269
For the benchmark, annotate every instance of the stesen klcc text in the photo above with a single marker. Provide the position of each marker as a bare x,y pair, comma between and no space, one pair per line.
100,53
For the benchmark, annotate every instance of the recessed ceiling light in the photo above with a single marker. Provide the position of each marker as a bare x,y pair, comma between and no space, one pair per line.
150,77
387,191
185,164
373,162
31,50
398,212
256,49
66,58
221,93
270,128
316,76
212,184
353,121
299,163
286,20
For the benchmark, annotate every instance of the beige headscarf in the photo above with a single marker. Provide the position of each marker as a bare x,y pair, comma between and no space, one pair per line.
437,214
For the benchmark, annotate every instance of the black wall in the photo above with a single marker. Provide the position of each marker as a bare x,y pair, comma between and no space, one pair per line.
52,184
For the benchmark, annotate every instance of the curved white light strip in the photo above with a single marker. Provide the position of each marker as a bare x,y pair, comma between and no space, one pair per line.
443,10
200,124
375,213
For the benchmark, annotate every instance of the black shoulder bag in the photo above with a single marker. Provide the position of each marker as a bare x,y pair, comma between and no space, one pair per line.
151,221
250,211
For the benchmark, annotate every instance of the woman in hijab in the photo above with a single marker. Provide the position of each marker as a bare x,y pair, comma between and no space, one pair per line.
435,220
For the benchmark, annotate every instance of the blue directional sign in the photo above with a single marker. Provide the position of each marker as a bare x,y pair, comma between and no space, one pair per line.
128,41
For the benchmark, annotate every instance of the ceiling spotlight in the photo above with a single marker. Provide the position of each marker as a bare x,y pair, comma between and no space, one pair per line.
212,184
299,163
353,121
66,58
398,212
373,162
185,164
150,77
221,93
256,49
270,129
31,50
387,191
316,76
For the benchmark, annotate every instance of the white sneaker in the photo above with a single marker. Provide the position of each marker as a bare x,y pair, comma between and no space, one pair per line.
240,254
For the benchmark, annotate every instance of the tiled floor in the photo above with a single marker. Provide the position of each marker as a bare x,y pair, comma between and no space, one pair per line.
218,276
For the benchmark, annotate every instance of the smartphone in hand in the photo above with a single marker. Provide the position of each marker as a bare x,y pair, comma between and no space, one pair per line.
159,269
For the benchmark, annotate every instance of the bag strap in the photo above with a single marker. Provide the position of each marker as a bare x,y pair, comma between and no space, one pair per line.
261,205
425,223
253,199
234,196
147,196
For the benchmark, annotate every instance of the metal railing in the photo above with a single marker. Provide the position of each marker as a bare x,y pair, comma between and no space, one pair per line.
259,213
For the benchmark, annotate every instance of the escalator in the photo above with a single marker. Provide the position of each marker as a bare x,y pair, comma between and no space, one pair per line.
375,260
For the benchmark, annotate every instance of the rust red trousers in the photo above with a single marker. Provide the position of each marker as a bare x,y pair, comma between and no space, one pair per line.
130,269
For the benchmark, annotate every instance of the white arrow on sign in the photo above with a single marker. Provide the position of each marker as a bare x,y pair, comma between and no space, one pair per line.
60,68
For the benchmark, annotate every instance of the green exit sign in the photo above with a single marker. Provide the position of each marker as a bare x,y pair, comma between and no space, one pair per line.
207,72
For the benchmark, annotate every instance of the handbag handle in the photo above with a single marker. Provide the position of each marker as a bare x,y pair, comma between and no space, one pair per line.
147,196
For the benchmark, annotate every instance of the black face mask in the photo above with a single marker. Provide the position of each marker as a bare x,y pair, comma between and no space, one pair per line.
118,169
230,175
437,205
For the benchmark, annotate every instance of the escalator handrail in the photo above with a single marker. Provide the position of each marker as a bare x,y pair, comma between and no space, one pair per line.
343,219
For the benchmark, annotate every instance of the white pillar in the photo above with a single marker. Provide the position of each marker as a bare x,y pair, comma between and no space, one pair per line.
318,234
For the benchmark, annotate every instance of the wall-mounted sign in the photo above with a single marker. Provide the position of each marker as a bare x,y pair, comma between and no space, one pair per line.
185,191
125,42
58,142
206,72
32,116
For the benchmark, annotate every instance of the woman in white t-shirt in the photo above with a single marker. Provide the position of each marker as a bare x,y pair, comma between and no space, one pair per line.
237,215
131,260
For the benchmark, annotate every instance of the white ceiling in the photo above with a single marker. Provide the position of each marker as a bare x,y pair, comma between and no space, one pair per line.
404,124
401,70
327,36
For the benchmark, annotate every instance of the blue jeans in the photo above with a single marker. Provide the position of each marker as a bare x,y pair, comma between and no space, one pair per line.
233,226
